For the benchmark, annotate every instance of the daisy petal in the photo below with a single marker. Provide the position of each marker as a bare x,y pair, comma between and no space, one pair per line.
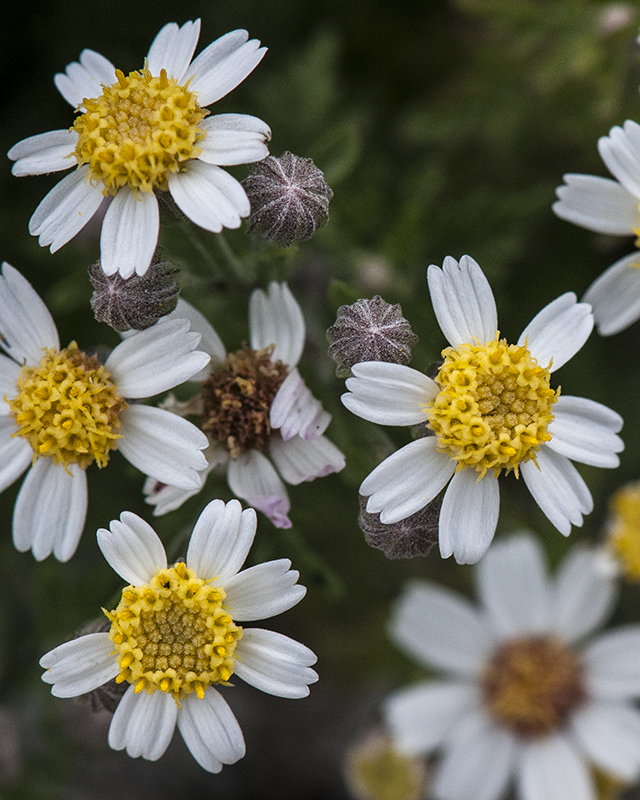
558,488
221,540
296,412
620,152
264,590
143,724
165,498
276,318
209,196
406,481
223,65
65,210
389,394
9,374
585,431
612,666
469,516
301,460
234,139
441,629
210,342
132,548
50,510
84,80
252,477
557,332
16,454
46,152
463,301
274,663
163,445
598,204
173,49
549,768
80,666
211,731
610,735
615,296
129,233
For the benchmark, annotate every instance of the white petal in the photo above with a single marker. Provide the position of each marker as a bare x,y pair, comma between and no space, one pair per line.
612,664
276,318
478,761
301,460
165,498
615,295
585,431
143,724
9,374
234,139
406,481
209,196
599,204
513,585
173,49
46,152
264,590
132,548
551,769
26,325
50,510
274,663
463,301
610,734
163,445
129,233
84,80
224,64
252,477
620,151
422,717
557,332
211,731
221,540
469,516
296,412
16,454
389,394
583,596
156,359
65,210
80,666
210,342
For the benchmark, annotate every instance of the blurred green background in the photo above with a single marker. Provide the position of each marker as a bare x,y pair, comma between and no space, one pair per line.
443,129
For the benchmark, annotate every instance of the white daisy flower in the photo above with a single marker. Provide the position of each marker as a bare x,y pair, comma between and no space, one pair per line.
174,637
610,206
491,409
147,132
524,697
254,404
61,410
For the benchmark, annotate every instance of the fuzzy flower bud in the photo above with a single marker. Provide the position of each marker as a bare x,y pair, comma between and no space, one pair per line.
411,537
136,302
289,198
370,330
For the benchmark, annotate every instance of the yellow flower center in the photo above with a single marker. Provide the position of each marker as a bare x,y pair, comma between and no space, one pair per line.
138,131
173,634
68,408
532,685
494,406
624,532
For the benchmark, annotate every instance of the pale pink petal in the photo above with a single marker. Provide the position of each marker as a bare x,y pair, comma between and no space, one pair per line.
252,477
296,412
301,460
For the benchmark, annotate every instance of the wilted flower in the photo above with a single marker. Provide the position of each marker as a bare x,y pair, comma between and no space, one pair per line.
289,198
408,538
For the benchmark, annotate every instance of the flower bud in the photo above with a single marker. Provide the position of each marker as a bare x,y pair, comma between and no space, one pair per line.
411,537
289,198
136,302
370,330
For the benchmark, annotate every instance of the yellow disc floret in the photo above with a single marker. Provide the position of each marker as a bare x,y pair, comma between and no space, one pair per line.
68,408
138,131
494,406
624,531
173,634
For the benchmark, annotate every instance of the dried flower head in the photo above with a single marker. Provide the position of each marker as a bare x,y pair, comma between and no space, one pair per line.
136,302
411,537
370,330
289,198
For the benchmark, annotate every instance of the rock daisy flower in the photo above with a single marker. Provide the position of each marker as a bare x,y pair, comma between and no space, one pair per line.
174,637
257,411
610,206
61,410
490,409
524,697
146,132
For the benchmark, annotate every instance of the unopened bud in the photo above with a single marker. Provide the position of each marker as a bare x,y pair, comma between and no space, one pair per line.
370,330
289,198
411,537
136,302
